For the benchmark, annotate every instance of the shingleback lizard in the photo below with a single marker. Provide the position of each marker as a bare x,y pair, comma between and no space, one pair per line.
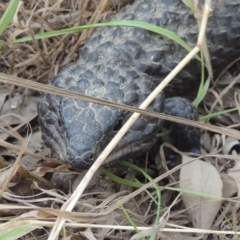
124,64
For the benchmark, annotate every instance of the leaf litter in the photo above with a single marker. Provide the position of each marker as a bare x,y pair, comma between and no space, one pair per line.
40,185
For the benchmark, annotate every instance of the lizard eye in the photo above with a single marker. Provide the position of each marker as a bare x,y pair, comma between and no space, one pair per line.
91,157
118,125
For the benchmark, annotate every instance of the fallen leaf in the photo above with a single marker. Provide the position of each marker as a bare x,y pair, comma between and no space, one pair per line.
4,91
4,174
178,236
230,186
88,234
235,174
27,109
199,176
102,232
17,232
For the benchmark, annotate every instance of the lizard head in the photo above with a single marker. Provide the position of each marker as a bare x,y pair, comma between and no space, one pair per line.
78,131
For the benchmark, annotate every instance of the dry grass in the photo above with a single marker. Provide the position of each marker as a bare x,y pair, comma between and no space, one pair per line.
37,190
40,60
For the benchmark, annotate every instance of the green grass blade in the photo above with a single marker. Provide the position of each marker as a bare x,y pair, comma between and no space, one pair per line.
215,114
130,220
8,15
201,93
16,232
138,184
144,25
191,6
203,88
156,186
120,180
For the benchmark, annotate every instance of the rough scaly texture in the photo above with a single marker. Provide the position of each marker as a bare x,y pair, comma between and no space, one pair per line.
124,64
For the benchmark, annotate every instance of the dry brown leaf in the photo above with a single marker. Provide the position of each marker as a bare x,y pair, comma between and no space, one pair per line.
34,214
102,232
178,236
88,234
202,177
27,109
36,177
226,79
230,186
235,174
35,145
3,162
4,173
4,91
149,232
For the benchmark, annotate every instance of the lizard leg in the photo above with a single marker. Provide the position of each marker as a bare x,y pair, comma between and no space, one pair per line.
186,138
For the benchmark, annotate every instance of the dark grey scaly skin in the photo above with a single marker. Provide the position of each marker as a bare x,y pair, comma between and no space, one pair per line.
124,65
